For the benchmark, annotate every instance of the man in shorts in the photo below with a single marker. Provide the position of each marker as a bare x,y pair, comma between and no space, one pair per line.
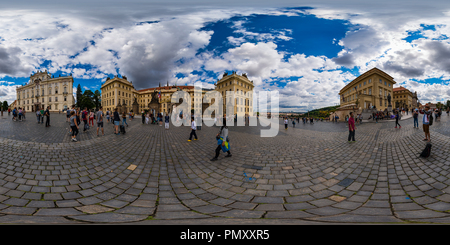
100,120
426,121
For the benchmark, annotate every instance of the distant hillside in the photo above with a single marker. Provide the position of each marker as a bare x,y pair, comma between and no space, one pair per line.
321,112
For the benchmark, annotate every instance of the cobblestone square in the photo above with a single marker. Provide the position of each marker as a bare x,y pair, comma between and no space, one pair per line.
309,173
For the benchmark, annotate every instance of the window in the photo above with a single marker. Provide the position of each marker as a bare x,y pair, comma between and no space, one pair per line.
56,99
360,85
49,99
385,83
364,83
370,80
389,85
65,89
370,91
381,83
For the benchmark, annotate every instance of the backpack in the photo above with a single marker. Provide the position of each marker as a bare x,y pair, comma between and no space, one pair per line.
431,120
122,129
427,151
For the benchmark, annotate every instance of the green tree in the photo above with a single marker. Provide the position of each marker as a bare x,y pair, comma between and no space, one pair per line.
448,103
78,96
5,105
97,99
87,99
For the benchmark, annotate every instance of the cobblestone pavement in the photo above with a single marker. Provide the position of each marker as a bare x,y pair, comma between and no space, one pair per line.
309,173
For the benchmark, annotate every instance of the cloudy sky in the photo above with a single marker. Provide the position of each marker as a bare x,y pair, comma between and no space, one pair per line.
306,50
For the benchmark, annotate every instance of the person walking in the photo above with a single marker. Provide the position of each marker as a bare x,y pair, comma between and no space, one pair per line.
194,129
91,117
100,120
9,111
38,116
116,118
78,115
47,114
14,114
293,123
286,123
166,121
42,115
23,114
351,128
107,115
397,117
68,115
124,119
222,143
84,117
20,114
74,125
416,118
427,116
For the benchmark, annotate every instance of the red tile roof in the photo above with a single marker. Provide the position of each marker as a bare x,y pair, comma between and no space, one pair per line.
399,89
166,88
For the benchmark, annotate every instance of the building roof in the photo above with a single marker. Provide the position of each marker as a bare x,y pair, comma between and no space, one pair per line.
399,89
365,75
165,88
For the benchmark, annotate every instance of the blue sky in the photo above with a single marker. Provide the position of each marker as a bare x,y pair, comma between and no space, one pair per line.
306,52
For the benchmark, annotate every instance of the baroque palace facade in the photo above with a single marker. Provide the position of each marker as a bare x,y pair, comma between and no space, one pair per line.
44,90
403,98
120,93
372,88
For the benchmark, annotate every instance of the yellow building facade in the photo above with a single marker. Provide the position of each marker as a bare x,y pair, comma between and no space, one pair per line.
403,98
369,89
118,91
243,91
44,90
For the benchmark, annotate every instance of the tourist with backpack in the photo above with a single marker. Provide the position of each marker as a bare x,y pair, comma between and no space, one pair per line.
427,121
116,118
